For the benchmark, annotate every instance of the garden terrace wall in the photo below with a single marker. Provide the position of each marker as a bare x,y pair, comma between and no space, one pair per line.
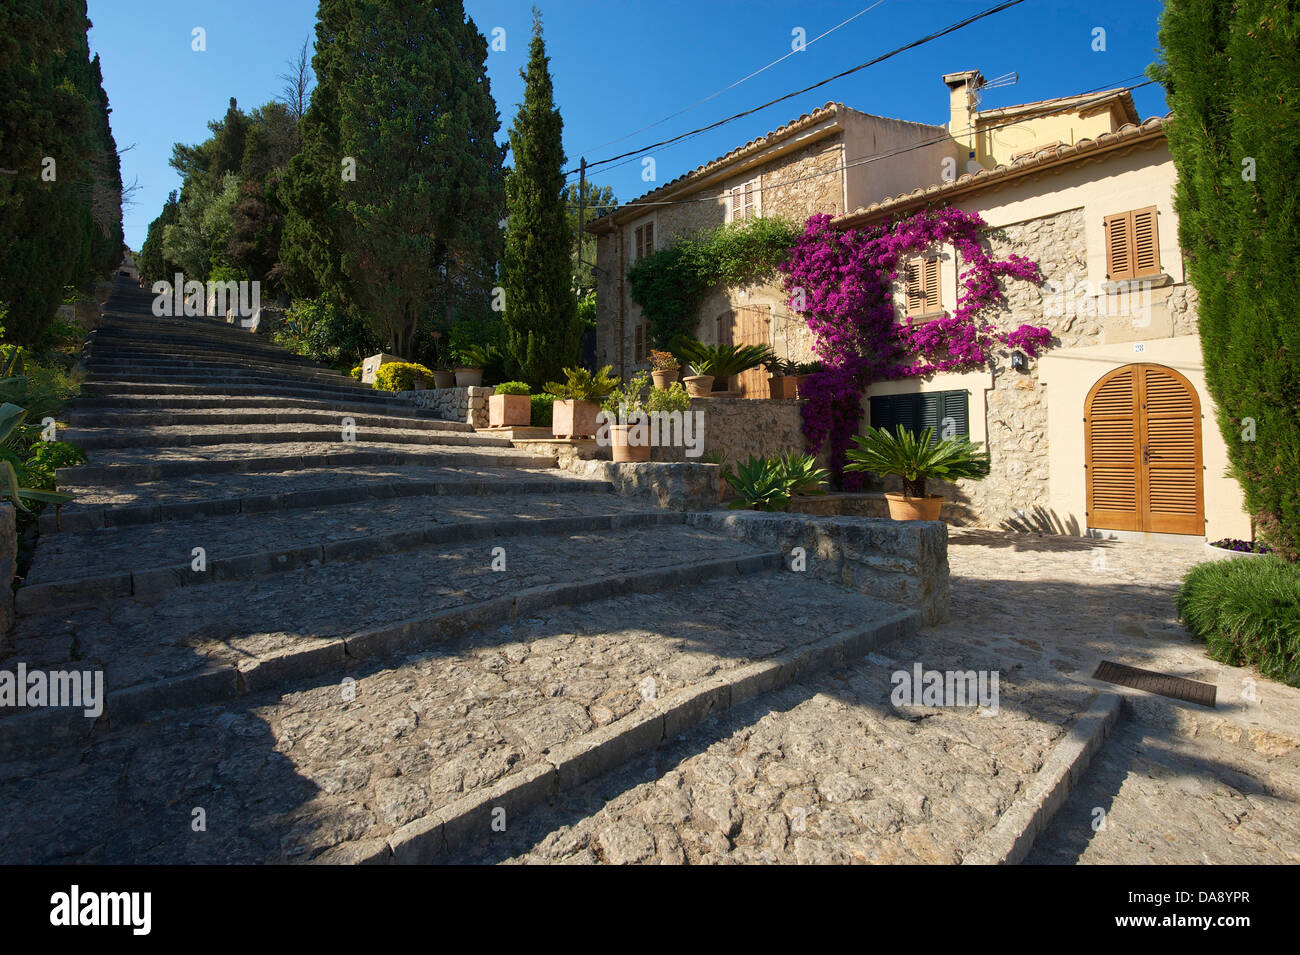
737,428
901,562
453,404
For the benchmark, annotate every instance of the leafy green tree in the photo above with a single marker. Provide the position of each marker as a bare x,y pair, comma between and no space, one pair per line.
540,309
599,199
1232,77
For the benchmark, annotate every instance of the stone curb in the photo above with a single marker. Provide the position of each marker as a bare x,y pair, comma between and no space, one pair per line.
581,760
163,404
111,474
1011,839
122,438
87,591
172,418
132,514
30,732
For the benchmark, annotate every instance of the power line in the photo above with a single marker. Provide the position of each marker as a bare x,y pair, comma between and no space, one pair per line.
876,157
952,28
687,109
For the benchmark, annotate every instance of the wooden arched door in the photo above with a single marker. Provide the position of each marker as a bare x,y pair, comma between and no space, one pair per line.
1142,452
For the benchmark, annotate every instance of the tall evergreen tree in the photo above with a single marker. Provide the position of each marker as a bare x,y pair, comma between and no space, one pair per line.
543,332
44,117
106,240
402,97
1232,77
153,265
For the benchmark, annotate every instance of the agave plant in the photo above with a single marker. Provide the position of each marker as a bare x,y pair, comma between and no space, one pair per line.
11,464
802,475
723,361
583,385
914,458
760,485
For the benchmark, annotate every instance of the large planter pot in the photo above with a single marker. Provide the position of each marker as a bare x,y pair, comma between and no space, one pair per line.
664,378
469,377
509,411
574,419
420,383
629,453
782,387
444,379
698,386
904,508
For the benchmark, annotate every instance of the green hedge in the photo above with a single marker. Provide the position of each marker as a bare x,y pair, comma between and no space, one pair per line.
543,410
1247,610
400,376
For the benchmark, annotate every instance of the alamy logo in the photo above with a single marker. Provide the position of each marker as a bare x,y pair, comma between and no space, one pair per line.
74,907
84,688
922,687
194,298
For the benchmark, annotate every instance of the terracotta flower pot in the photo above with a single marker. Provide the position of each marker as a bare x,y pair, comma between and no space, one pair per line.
625,452
444,379
904,508
664,378
698,386
509,411
469,377
574,419
782,386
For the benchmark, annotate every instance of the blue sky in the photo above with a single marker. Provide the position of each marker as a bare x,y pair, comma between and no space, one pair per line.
621,65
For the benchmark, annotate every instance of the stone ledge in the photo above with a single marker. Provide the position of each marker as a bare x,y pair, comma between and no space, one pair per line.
902,562
673,486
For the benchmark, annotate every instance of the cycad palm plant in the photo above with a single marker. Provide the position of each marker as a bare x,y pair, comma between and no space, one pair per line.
913,458
723,361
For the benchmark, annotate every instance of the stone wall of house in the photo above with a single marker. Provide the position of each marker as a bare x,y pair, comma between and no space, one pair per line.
796,185
453,404
1016,409
737,428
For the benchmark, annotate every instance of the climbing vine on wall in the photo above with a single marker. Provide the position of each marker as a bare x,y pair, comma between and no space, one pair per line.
670,285
841,282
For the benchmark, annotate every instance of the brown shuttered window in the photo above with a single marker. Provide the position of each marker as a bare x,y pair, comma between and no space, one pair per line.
923,286
640,335
645,241
1132,244
744,201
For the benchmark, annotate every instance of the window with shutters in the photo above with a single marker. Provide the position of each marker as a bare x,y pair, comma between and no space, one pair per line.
922,277
1132,245
947,413
640,342
743,201
644,241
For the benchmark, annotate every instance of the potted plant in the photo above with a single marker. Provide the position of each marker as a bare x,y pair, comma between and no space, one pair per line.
801,373
443,374
665,368
469,361
710,362
577,401
629,420
509,406
781,380
914,459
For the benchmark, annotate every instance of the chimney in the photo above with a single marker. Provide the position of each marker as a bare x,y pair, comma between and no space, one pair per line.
961,108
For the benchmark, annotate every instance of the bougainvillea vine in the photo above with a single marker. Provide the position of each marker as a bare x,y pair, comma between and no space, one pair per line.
841,282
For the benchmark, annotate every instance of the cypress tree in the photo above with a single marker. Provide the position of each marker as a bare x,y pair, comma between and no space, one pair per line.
543,332
153,265
1232,78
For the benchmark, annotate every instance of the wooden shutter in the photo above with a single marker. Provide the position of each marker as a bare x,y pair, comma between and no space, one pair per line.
1146,245
638,347
751,194
723,329
920,411
1172,452
915,287
932,285
640,238
649,237
735,204
1112,452
751,326
1119,246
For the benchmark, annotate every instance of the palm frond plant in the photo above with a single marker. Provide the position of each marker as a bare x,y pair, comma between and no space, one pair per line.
580,384
915,458
723,361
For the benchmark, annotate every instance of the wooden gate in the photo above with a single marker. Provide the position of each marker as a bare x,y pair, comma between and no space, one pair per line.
1142,452
745,325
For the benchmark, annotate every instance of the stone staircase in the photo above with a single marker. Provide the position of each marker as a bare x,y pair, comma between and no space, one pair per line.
345,630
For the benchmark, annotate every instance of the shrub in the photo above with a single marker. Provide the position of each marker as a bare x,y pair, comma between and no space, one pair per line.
1247,610
543,410
356,372
767,484
581,385
400,376
512,388
319,330
672,398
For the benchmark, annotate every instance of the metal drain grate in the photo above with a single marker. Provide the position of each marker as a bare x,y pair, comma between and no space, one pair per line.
1175,687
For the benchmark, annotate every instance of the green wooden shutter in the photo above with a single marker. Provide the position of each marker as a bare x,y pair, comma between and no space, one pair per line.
921,411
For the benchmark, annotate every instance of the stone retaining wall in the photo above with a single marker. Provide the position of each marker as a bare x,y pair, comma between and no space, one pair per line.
902,562
453,404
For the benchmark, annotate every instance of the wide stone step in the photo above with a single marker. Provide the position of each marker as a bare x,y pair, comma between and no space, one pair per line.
236,377
106,341
163,404
210,435
403,757
166,366
201,495
213,640
82,569
206,417
97,388
119,466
